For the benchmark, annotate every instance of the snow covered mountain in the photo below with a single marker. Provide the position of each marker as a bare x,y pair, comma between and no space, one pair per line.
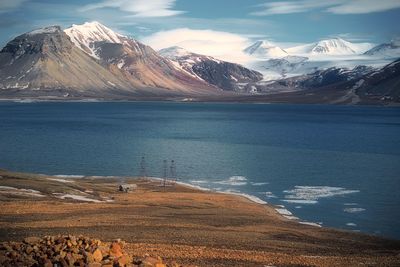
46,62
359,85
265,50
277,63
332,47
86,35
225,75
138,62
99,63
387,50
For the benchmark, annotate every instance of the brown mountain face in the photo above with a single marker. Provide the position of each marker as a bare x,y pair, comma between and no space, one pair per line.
138,63
46,63
225,75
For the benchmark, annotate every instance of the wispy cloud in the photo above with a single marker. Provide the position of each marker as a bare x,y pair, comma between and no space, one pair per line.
223,45
333,6
364,6
9,5
139,8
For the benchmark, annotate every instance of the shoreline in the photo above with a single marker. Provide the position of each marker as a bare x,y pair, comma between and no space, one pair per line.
236,100
207,228
280,209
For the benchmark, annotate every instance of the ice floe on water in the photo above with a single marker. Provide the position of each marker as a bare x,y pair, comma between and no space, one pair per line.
351,224
20,191
268,194
311,194
233,180
259,184
300,201
353,210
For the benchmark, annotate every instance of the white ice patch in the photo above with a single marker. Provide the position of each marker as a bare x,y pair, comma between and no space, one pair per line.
186,184
353,210
311,223
234,180
20,191
249,197
283,211
60,180
76,197
311,194
69,176
351,224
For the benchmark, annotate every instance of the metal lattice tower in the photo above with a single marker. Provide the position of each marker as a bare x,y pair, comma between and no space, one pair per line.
165,168
172,171
143,171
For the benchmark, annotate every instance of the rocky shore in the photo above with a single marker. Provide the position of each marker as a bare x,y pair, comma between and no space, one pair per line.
66,251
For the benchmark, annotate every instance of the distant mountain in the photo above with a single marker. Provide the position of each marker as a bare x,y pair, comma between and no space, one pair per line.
265,50
308,58
326,77
46,62
334,46
360,85
139,63
387,50
225,75
97,63
381,85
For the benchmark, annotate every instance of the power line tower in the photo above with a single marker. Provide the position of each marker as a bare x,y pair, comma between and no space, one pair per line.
143,171
172,171
165,168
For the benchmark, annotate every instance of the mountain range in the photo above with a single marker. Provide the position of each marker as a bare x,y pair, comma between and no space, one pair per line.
93,61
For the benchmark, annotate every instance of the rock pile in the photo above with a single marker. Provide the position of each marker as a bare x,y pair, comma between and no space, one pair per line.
67,251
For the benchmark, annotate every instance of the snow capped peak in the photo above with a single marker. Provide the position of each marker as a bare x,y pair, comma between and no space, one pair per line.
85,35
265,49
388,50
335,46
93,31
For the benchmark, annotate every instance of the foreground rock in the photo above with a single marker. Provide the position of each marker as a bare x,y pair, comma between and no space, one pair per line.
64,251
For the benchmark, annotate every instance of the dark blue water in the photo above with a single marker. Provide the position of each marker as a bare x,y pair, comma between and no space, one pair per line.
346,160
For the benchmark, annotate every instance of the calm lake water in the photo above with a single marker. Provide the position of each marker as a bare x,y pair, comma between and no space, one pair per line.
333,165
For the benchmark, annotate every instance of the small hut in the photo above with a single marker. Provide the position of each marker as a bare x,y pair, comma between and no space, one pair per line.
127,188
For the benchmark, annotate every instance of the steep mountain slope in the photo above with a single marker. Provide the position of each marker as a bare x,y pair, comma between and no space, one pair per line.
140,64
340,86
45,61
387,50
225,75
383,84
265,50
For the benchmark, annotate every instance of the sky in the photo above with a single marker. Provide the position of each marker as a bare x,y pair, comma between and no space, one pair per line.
213,25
